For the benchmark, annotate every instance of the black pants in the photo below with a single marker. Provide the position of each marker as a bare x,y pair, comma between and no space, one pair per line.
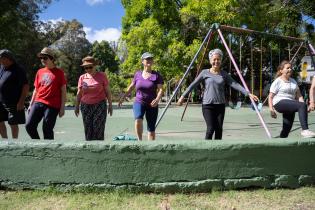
288,109
214,117
38,112
94,119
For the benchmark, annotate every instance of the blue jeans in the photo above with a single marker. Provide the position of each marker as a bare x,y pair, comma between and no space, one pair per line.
151,114
38,112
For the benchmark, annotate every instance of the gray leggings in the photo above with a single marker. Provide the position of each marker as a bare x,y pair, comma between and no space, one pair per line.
288,109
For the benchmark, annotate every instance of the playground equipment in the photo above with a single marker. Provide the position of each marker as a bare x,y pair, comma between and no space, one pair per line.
217,28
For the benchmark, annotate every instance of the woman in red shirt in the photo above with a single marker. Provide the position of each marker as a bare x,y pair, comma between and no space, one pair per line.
49,97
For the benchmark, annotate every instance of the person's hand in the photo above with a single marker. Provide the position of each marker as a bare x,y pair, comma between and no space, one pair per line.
76,111
180,101
62,112
273,114
121,100
110,110
155,102
20,106
311,106
29,109
254,97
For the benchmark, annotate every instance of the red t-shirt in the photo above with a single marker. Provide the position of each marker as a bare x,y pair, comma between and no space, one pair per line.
48,83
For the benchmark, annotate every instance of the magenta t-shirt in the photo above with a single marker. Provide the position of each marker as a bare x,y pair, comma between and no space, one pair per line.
146,88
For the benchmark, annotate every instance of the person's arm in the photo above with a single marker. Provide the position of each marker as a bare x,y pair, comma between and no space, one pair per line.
156,101
77,102
299,95
63,100
312,96
32,100
129,89
271,108
20,104
194,84
109,99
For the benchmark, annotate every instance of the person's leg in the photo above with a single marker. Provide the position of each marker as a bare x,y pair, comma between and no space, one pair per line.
3,130
15,131
87,116
99,120
49,121
151,117
14,119
138,111
288,108
34,117
287,122
208,115
219,118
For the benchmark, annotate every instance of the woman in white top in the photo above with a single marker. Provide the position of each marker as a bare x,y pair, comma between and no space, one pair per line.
285,97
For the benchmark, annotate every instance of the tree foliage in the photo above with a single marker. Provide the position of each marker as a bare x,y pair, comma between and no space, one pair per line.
173,30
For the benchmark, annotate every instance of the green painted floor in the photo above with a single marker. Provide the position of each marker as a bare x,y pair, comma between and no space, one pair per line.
242,124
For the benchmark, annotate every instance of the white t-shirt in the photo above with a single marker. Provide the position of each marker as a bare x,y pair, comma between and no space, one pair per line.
283,90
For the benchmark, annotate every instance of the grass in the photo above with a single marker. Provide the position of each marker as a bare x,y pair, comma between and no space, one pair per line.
302,198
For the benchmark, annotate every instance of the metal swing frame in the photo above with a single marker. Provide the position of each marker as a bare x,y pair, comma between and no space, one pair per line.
219,28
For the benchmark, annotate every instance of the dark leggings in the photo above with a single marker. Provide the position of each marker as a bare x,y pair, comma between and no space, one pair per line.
288,109
38,112
214,117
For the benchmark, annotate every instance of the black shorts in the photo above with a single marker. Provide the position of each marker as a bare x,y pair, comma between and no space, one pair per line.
10,114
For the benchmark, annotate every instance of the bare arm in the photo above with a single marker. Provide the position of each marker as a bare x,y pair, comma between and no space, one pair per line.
129,89
271,108
20,104
312,97
32,99
63,100
77,102
156,101
299,95
109,99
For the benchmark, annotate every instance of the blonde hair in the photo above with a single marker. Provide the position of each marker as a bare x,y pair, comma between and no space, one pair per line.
281,66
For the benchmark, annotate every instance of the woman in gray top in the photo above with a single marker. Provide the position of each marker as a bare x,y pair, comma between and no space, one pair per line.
213,103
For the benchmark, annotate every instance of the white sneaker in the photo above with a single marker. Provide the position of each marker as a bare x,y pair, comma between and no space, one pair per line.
307,134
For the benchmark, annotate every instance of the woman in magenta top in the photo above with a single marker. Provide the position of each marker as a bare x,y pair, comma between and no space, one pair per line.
93,94
148,84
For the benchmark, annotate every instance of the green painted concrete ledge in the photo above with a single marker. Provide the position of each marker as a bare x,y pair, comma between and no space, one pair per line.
160,166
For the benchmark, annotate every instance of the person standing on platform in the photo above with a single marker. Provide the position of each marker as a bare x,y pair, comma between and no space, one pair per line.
213,102
92,96
13,91
148,84
285,97
49,96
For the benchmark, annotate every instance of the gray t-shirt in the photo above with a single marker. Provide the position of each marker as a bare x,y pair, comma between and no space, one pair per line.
214,92
283,90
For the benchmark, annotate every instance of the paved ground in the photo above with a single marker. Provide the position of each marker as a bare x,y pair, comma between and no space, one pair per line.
241,124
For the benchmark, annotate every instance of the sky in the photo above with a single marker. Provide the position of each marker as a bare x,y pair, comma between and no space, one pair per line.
101,19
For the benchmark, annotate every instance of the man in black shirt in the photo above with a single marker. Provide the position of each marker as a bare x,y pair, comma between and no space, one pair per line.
13,91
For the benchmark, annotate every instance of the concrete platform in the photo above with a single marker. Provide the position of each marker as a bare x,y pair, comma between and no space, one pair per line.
179,160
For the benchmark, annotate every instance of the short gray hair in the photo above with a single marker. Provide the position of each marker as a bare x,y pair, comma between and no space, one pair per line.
215,51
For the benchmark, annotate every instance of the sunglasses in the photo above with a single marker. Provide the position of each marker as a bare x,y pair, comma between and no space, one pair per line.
88,67
44,58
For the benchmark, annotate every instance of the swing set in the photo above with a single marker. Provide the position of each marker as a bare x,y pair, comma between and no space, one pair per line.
217,29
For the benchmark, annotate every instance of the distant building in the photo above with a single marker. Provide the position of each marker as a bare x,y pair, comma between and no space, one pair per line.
307,71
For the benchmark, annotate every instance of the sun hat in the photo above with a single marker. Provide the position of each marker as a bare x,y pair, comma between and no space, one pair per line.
146,55
89,60
46,51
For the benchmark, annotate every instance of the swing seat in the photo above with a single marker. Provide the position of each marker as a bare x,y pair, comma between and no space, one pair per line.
259,106
237,106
